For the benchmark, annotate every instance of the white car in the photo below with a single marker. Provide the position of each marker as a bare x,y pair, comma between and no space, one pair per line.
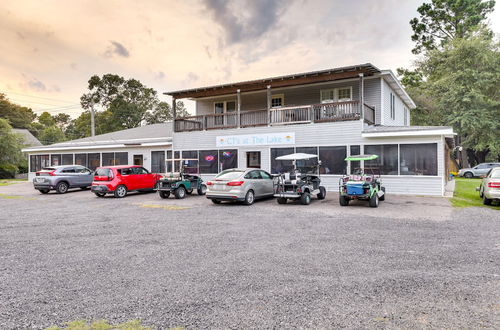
489,189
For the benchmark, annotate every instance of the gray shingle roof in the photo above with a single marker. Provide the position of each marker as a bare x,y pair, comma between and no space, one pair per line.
29,139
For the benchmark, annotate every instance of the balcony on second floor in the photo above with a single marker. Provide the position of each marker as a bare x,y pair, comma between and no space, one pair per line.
304,114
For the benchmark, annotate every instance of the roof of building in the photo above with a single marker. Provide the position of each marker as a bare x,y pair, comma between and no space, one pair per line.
143,135
29,139
346,72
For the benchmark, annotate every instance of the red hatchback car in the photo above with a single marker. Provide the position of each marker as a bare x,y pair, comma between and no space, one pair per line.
119,180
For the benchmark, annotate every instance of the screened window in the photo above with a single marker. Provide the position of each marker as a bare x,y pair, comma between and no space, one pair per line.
177,163
121,158
81,159
228,159
418,159
309,164
44,160
355,150
190,160
55,160
281,166
387,160
108,158
67,159
208,160
32,163
277,100
158,161
332,160
37,162
94,161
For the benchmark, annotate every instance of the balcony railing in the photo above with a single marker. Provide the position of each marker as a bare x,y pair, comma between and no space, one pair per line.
315,113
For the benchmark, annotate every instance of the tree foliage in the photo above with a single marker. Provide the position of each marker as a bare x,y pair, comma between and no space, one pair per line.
441,21
16,115
11,156
163,112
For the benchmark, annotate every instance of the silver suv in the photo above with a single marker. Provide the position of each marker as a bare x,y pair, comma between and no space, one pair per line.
478,170
62,178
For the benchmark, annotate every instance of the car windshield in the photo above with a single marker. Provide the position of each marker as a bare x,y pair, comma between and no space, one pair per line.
495,174
229,175
103,172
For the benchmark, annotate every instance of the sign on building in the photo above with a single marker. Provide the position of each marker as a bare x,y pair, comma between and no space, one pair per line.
255,139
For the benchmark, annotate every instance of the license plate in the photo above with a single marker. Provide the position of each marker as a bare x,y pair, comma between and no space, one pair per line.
40,180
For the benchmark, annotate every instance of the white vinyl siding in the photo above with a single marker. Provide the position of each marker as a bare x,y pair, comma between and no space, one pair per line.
392,107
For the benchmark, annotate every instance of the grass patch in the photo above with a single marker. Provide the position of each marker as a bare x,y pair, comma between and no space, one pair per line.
465,194
101,325
6,182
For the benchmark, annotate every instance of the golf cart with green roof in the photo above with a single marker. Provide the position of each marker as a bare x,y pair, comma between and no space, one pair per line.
301,182
363,184
180,183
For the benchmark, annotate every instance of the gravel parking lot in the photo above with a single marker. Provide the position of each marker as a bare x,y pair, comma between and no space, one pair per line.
414,262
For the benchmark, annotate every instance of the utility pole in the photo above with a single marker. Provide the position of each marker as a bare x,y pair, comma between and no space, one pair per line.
92,120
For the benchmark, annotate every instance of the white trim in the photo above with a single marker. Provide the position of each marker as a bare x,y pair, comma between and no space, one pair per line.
335,91
278,96
444,132
406,98
382,105
97,147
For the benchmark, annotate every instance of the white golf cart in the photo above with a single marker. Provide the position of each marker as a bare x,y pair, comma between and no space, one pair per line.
301,182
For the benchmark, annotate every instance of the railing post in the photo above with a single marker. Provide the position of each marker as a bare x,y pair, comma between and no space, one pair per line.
269,104
204,122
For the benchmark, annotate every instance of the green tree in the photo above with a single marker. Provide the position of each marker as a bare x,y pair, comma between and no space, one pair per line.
17,116
51,134
441,21
162,113
11,156
46,119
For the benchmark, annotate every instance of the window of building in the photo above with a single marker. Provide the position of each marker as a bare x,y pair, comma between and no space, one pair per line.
277,100
67,159
208,161
108,158
55,160
418,159
114,158
158,161
281,166
37,162
253,159
332,160
228,159
190,161
336,94
393,106
405,116
309,164
355,164
177,163
224,106
387,160
81,159
93,161
121,158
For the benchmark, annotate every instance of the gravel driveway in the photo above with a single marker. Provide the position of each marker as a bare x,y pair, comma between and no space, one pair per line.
412,263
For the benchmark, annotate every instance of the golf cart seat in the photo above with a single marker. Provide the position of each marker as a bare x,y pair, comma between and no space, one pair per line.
290,178
173,176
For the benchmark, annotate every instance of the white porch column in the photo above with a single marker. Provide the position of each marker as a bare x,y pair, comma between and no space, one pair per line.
269,97
238,108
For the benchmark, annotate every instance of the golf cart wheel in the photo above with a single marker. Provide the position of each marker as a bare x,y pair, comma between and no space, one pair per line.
343,200
164,194
281,200
215,201
322,193
468,175
120,191
189,192
305,199
44,191
180,192
98,194
249,198
374,200
62,187
486,201
202,190
383,196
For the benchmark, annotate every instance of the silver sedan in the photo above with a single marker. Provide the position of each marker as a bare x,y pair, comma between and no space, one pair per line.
489,190
244,185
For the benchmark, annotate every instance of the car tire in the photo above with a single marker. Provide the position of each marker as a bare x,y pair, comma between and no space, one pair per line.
322,193
180,192
98,194
383,196
281,200
215,201
44,191
164,194
202,190
374,200
486,201
62,187
249,198
343,200
468,175
305,199
120,191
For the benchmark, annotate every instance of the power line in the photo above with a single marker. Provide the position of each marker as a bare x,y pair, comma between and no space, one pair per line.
38,97
42,103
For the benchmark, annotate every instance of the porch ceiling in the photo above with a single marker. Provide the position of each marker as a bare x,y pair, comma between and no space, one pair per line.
281,81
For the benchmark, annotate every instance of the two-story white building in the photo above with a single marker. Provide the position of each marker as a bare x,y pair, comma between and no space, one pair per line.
332,113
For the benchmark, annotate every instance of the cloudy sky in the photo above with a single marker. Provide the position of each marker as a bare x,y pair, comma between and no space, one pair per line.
49,49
